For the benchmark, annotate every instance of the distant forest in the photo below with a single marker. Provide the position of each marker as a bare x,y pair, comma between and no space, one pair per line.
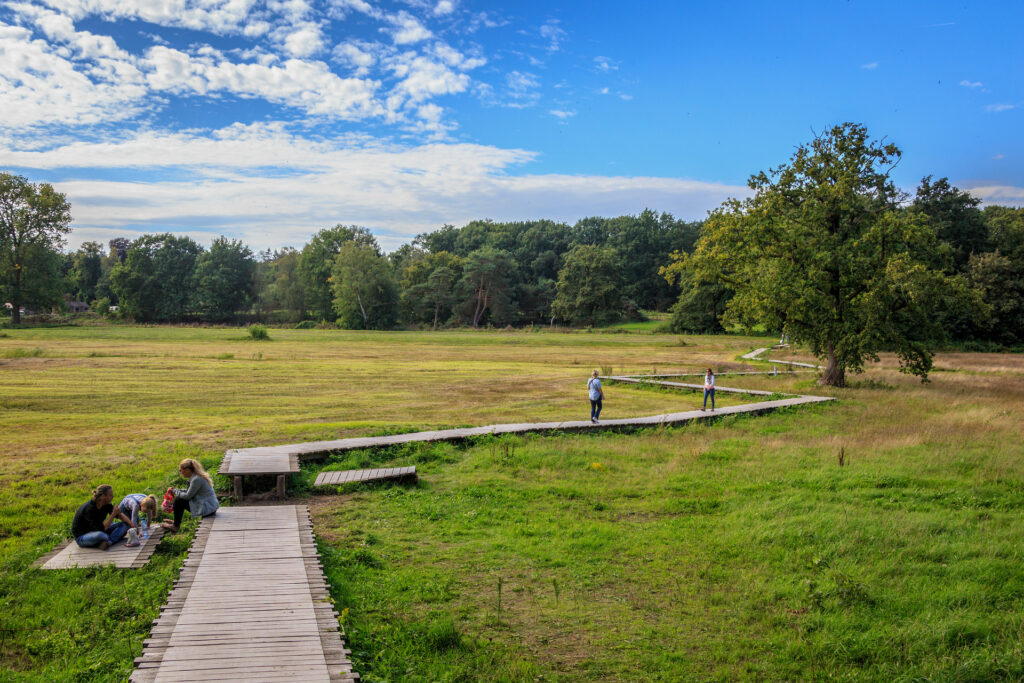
596,272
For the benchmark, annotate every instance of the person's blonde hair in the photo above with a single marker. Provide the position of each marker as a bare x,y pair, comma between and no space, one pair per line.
101,490
196,468
148,505
595,373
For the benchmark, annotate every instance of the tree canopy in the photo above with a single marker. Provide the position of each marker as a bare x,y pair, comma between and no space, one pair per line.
34,218
824,250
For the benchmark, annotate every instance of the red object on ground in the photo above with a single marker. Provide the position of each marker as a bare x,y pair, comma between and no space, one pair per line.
168,504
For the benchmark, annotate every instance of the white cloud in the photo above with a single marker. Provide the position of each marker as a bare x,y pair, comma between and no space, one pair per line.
359,56
222,186
605,64
869,65
1000,107
971,84
624,96
521,89
301,40
553,33
73,78
423,78
444,7
407,29
217,16
309,86
999,194
562,114
999,156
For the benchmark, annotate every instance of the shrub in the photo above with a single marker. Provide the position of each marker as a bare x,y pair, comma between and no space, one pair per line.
259,332
306,325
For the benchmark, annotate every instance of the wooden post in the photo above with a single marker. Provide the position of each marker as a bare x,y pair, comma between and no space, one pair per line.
280,485
238,489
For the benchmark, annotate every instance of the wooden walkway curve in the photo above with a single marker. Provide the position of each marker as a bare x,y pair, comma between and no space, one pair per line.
251,605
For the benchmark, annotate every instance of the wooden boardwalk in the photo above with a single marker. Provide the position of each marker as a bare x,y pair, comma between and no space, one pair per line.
68,554
251,605
360,476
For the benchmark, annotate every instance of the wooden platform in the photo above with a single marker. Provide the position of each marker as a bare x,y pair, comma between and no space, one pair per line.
360,476
68,555
251,605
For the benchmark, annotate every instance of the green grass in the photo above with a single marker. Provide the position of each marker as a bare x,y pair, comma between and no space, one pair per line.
738,549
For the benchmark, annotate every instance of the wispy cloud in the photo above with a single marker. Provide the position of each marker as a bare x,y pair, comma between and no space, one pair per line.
605,64
562,114
998,156
267,185
1000,107
554,34
971,84
869,65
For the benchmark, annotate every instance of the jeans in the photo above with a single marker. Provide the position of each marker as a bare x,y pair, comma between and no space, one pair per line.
114,533
709,392
595,409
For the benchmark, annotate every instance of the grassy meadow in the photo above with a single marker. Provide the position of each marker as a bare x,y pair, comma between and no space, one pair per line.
739,549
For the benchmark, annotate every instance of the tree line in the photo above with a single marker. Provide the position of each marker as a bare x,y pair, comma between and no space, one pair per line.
827,249
485,273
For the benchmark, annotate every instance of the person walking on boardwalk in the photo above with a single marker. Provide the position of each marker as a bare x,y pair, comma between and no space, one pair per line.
596,397
709,389
93,525
199,497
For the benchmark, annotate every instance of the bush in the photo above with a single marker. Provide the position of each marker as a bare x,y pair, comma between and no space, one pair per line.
306,325
259,332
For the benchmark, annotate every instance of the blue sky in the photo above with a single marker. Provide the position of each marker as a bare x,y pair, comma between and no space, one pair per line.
267,120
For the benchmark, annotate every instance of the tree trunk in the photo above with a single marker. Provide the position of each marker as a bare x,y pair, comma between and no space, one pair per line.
16,294
437,309
362,310
835,374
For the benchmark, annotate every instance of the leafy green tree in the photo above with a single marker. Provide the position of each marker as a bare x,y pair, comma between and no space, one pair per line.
486,286
1000,282
224,279
701,304
155,281
317,264
824,251
34,218
589,289
365,296
428,284
87,268
280,286
955,217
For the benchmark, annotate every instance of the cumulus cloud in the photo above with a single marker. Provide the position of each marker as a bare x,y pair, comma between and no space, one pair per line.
444,7
562,114
216,16
407,29
271,187
71,78
605,64
310,86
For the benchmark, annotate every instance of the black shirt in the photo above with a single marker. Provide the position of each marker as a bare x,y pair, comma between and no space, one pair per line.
90,518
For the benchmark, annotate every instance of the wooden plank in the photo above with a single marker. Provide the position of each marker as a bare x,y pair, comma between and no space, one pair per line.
251,604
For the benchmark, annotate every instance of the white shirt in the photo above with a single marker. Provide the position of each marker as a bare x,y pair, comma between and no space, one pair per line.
709,381
595,388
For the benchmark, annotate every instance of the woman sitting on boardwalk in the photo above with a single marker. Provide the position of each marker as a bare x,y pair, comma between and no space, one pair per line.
199,497
709,389
93,525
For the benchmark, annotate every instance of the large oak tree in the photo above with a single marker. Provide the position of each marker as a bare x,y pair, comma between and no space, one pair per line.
825,250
